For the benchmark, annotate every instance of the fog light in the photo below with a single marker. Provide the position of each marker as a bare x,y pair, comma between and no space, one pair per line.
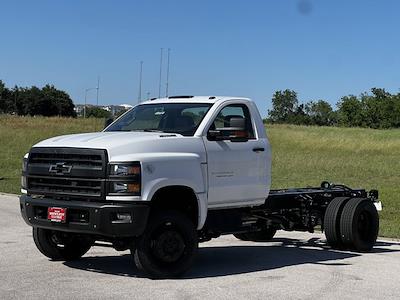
122,218
121,187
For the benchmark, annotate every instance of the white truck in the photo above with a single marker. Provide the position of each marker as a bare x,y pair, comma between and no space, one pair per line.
171,173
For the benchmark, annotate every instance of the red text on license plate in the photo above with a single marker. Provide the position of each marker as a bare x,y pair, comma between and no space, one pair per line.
57,214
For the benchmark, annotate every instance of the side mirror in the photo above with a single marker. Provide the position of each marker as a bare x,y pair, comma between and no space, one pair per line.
237,124
108,121
236,132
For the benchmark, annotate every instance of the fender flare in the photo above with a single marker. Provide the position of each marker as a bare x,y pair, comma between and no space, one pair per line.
201,197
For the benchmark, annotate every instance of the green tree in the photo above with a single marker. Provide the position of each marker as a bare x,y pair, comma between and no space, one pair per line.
7,103
350,112
2,96
395,111
97,112
59,101
378,109
47,101
284,106
299,116
320,113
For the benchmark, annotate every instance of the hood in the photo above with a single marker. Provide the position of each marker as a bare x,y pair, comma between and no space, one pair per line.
121,145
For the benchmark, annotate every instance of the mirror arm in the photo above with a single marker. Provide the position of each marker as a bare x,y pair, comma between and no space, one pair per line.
214,135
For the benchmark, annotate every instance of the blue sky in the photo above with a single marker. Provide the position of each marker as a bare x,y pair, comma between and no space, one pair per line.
321,49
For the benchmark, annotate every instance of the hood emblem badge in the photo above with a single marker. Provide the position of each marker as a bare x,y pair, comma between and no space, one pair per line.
60,168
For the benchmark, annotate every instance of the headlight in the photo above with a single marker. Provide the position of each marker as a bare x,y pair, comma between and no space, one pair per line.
24,164
23,182
124,170
23,175
124,179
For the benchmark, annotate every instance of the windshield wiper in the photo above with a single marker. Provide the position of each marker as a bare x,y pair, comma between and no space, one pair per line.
148,130
152,130
141,130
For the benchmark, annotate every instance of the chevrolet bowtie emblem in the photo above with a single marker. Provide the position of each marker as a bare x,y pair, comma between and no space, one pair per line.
60,168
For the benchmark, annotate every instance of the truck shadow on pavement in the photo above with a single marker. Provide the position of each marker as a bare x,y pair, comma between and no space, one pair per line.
218,261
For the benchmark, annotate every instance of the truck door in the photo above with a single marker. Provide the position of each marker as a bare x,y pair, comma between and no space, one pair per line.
237,167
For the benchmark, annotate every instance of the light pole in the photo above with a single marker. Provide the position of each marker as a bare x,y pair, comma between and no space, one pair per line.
86,91
140,82
167,85
97,88
159,83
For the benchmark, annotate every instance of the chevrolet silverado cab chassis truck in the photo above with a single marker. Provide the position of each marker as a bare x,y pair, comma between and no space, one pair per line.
171,173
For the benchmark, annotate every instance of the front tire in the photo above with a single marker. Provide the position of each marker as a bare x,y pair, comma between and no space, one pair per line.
59,245
167,247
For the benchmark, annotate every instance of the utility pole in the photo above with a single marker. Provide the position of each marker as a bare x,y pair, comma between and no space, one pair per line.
159,83
166,88
140,82
84,108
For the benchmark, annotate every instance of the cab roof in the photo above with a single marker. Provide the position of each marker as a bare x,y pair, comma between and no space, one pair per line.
192,99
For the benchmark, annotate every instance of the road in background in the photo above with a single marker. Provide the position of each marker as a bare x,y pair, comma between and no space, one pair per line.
293,266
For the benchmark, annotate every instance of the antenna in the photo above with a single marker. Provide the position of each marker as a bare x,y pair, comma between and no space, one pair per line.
140,82
167,85
159,83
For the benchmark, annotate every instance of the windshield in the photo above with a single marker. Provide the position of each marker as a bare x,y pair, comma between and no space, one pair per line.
182,118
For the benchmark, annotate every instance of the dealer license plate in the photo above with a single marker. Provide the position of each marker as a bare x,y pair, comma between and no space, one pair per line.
57,214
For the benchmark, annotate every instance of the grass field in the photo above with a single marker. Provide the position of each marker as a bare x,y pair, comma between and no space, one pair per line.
18,134
301,156
356,157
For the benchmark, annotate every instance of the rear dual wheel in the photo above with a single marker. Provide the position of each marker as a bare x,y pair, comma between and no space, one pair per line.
333,214
359,224
351,224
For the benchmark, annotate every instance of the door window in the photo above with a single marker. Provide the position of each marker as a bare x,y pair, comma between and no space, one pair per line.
234,111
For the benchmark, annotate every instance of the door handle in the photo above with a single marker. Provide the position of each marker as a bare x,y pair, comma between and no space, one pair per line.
260,149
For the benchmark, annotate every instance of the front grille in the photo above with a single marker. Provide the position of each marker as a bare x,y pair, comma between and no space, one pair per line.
65,186
88,161
67,173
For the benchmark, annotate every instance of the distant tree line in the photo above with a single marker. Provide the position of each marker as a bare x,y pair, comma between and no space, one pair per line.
379,109
97,112
46,101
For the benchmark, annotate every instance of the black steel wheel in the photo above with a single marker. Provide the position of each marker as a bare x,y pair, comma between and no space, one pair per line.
359,224
168,246
263,235
60,245
332,217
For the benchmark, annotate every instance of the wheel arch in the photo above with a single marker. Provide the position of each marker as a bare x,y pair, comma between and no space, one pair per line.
181,198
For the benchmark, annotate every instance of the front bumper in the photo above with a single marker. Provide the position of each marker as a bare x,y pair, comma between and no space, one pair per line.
86,217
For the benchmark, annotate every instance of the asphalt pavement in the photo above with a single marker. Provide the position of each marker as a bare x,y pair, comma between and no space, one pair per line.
293,266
